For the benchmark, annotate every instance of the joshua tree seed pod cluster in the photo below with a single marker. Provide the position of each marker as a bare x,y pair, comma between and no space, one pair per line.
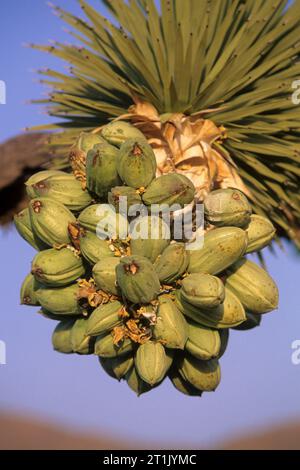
150,307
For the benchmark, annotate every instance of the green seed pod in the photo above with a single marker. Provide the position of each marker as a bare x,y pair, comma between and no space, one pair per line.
104,274
93,248
171,327
117,367
87,140
61,337
106,365
136,384
103,220
221,248
253,286
183,385
79,150
80,341
170,189
25,230
54,317
60,186
104,318
172,263
28,291
253,320
105,347
117,132
101,169
151,363
150,236
57,267
260,232
36,178
226,207
137,279
227,315
170,354
203,343
224,337
132,196
204,375
136,163
203,290
50,221
59,300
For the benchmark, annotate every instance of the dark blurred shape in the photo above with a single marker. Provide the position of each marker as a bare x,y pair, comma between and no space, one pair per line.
20,157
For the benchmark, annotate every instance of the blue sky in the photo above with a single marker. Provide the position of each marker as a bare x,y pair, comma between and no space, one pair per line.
260,385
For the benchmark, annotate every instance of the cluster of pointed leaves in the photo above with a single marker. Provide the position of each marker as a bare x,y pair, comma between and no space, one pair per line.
235,60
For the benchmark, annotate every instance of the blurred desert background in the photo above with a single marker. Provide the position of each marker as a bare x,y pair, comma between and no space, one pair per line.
49,401
25,433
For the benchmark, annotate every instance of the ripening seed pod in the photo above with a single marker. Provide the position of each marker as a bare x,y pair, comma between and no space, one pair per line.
227,315
224,337
104,318
59,300
80,341
137,279
105,346
24,228
204,375
61,186
50,221
150,236
104,274
101,169
183,385
57,267
260,232
227,207
136,163
221,248
203,290
136,384
170,355
79,150
117,367
86,141
93,248
120,195
171,327
172,263
117,132
28,291
203,343
61,337
253,286
103,220
36,178
106,366
253,320
151,362
169,190
54,317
